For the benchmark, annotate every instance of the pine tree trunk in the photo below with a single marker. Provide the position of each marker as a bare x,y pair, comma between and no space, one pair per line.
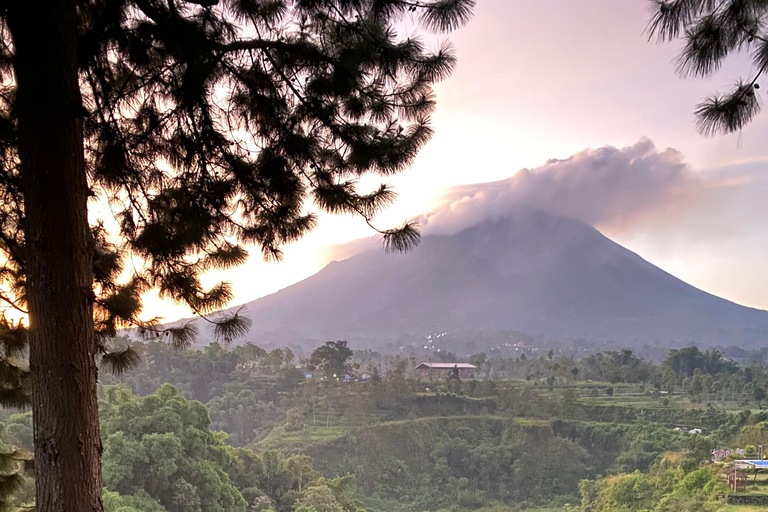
58,256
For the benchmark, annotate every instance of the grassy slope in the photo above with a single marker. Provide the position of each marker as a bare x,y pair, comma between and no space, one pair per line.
280,439
627,397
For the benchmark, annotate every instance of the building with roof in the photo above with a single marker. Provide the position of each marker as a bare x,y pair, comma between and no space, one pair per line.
441,371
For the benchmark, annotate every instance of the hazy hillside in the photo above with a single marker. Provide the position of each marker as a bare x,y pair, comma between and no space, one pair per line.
534,273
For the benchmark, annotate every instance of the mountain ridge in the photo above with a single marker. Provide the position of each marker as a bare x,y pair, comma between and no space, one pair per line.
530,272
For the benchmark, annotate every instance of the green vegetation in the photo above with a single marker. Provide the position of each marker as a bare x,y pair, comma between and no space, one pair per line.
669,486
245,429
161,444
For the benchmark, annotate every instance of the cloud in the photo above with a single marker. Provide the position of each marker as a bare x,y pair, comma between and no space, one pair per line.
706,227
613,188
649,200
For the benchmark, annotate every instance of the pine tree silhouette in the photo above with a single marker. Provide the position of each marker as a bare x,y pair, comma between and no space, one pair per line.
711,31
204,127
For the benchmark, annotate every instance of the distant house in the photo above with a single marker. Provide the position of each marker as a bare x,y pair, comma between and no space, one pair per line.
441,371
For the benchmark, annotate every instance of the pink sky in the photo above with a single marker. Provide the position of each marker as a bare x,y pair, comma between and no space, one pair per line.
547,79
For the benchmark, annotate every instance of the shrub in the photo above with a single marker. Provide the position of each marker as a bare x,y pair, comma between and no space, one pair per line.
471,499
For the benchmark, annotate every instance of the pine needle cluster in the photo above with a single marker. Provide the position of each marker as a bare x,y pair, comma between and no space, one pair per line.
16,465
712,30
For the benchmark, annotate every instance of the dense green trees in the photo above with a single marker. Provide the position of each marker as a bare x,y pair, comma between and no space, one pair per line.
509,443
161,444
318,499
608,366
244,388
685,361
331,359
159,451
476,461
672,485
15,461
616,366
243,415
139,502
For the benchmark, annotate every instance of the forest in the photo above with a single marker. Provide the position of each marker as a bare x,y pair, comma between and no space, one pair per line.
249,429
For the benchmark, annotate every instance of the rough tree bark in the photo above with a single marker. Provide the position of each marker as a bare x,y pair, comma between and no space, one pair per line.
58,256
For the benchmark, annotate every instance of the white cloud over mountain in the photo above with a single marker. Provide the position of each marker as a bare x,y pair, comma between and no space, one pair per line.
611,187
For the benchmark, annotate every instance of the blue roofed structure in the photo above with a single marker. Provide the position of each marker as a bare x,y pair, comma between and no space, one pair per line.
760,464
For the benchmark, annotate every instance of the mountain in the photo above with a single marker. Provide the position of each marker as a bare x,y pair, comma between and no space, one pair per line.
531,272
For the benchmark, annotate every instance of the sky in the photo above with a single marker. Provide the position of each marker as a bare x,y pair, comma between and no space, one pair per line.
575,96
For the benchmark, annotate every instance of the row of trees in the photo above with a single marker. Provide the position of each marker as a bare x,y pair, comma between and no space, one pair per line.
249,390
700,374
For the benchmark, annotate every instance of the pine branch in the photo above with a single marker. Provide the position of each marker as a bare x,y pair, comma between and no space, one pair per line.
225,257
446,15
13,337
670,18
16,398
729,112
184,336
403,239
118,362
231,327
12,303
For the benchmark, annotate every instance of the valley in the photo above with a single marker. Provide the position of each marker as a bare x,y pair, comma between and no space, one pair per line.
248,429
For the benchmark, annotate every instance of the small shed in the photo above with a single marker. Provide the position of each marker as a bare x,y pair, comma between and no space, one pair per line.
737,477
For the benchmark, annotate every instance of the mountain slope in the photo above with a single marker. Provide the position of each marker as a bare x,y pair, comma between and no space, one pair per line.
531,272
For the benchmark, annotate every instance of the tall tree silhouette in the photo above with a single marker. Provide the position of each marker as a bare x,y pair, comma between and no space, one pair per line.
711,31
204,126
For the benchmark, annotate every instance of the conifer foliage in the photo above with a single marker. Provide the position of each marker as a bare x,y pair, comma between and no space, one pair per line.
193,129
211,126
711,31
15,463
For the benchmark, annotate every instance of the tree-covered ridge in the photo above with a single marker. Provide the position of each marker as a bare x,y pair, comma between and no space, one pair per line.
160,454
703,375
245,427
